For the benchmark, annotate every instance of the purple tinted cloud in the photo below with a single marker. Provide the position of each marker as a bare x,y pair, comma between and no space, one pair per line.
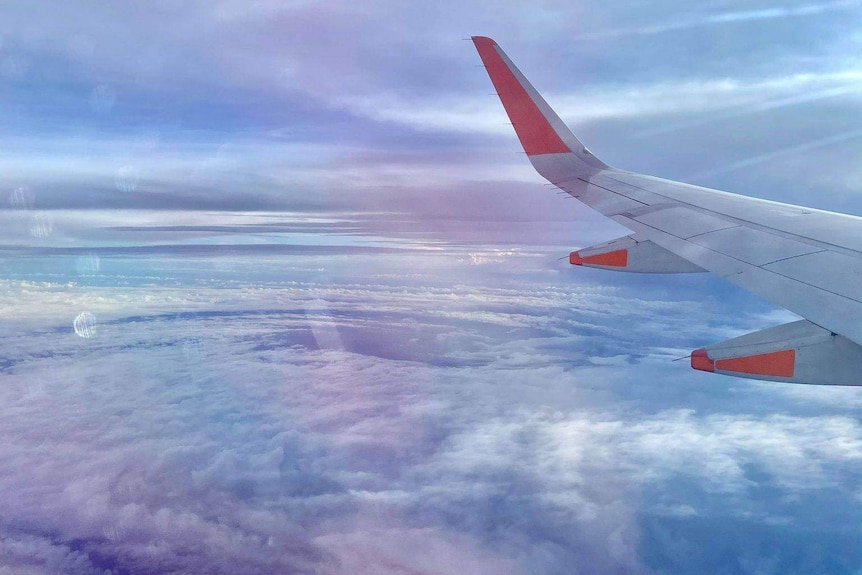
328,329
408,412
225,106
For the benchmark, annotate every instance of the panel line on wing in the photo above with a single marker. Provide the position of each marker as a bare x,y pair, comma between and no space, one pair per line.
792,257
613,192
713,231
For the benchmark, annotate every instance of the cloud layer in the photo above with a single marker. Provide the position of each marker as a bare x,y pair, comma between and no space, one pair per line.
421,410
322,326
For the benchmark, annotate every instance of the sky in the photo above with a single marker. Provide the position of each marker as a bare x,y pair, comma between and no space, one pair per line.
281,294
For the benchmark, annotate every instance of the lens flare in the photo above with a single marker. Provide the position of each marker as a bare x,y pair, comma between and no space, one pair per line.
85,325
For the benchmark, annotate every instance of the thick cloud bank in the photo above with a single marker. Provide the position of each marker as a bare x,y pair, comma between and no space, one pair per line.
280,294
438,407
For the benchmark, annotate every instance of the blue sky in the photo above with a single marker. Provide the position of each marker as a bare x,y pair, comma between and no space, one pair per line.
322,323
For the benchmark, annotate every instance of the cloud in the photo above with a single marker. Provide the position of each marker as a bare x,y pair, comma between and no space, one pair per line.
505,418
405,550
727,95
728,17
332,332
783,153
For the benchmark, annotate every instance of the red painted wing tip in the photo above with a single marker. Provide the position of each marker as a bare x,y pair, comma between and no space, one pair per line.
575,259
534,130
700,360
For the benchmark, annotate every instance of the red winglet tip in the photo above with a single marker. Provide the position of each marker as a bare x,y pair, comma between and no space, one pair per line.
536,134
575,259
700,360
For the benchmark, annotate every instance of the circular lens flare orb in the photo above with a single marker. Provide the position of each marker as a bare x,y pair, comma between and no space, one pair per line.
85,325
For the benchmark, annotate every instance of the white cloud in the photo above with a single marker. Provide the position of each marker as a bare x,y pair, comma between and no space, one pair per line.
200,429
728,17
329,412
483,114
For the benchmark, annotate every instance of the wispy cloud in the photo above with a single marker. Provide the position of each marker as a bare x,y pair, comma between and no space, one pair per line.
720,18
249,412
328,328
787,152
733,96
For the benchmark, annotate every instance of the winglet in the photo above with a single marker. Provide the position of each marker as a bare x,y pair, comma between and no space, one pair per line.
539,128
534,129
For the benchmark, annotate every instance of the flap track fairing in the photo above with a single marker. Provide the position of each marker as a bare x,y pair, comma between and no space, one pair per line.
796,352
627,254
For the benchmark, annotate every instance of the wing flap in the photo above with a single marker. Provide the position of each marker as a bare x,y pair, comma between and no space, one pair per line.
753,246
684,223
829,271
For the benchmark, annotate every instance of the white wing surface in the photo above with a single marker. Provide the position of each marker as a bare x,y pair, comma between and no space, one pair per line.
808,261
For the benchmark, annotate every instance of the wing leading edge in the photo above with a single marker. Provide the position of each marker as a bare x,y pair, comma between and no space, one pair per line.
808,261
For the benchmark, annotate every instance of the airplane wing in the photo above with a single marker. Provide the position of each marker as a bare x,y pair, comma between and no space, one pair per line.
806,260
